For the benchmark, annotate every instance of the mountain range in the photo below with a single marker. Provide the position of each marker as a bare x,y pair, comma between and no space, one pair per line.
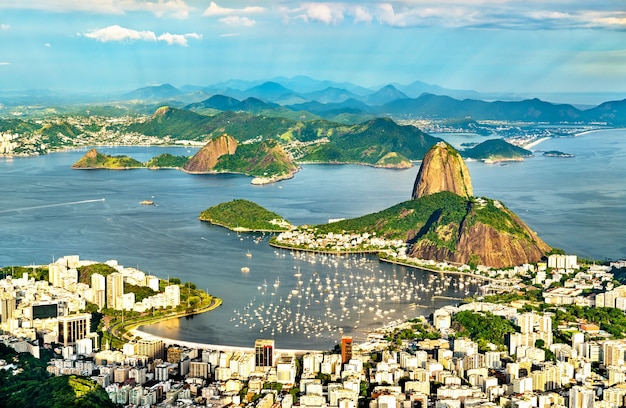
353,104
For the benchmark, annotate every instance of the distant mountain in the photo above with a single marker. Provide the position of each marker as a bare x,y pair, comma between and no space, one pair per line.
227,103
330,109
384,95
441,107
157,92
274,92
613,112
219,102
304,84
417,88
369,142
330,95
496,150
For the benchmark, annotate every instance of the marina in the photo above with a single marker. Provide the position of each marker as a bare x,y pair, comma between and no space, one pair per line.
341,294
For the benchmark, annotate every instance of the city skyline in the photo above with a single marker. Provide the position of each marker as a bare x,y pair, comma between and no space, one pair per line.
488,46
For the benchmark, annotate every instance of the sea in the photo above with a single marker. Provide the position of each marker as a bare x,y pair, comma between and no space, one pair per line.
303,301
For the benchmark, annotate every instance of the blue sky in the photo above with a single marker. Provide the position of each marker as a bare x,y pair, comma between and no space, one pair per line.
523,46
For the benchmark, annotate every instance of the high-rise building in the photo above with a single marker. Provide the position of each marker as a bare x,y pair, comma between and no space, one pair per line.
581,397
115,290
98,290
263,354
346,349
73,328
7,306
150,348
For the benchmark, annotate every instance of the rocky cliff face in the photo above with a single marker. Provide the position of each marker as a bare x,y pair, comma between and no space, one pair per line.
499,240
442,169
206,158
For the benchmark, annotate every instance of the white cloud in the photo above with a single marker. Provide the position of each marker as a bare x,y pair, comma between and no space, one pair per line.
4,63
117,33
237,21
229,35
178,39
48,45
217,10
328,13
121,34
507,14
4,26
361,14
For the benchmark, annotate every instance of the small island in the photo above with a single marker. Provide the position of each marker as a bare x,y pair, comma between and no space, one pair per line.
496,150
556,153
244,215
93,160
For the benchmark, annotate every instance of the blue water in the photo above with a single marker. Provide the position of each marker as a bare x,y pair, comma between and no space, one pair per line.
576,204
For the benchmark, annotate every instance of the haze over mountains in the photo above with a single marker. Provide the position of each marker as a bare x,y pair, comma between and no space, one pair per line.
329,100
341,101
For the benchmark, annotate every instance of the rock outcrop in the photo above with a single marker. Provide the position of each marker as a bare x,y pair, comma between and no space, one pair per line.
477,230
206,158
489,234
442,169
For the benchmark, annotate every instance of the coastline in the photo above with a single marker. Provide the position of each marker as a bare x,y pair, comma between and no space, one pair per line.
534,143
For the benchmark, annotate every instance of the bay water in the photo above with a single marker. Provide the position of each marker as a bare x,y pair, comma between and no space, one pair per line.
48,210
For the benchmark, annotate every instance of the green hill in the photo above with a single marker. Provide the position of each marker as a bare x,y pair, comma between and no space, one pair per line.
95,160
31,385
496,149
167,160
370,141
244,215
263,159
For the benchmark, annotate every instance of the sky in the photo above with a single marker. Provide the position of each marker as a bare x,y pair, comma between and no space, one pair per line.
523,46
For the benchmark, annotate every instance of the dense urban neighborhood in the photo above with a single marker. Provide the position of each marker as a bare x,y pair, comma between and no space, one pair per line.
545,335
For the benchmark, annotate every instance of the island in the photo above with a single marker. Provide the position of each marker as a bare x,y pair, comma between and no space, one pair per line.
556,153
93,159
496,150
243,215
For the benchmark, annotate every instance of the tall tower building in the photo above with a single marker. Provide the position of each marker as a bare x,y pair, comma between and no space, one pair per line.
263,354
115,290
7,306
346,349
98,290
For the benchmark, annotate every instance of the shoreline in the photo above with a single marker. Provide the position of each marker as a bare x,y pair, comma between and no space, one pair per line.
207,346
534,143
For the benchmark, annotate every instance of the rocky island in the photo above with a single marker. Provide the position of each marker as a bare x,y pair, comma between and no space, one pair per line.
244,215
266,160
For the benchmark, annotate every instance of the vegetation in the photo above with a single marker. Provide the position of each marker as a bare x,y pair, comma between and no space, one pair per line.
30,385
95,160
167,160
370,141
496,149
262,159
244,215
406,220
39,273
85,272
483,328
